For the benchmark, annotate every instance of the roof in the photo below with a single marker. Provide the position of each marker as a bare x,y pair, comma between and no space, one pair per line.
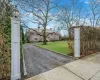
40,31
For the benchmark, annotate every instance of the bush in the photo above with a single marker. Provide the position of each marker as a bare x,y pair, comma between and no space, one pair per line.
89,40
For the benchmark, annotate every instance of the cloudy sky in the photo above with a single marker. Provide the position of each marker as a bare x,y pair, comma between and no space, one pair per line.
62,2
28,17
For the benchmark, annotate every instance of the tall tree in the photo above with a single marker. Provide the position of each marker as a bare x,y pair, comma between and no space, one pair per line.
94,6
67,15
43,11
71,14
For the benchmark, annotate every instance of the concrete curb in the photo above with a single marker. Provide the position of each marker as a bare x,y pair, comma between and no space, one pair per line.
55,52
24,67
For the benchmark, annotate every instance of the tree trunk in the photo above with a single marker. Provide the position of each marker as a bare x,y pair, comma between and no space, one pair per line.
44,36
69,34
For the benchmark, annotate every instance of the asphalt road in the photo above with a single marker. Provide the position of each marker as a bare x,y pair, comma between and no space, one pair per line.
39,60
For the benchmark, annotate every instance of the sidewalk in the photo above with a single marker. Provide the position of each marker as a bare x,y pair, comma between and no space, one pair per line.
87,68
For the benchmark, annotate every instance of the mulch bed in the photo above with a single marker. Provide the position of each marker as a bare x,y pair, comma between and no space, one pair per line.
6,78
88,52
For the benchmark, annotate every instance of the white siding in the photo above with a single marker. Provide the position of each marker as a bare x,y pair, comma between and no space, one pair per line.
34,37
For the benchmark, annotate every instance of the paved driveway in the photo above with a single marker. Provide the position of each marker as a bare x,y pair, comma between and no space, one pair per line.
38,60
87,68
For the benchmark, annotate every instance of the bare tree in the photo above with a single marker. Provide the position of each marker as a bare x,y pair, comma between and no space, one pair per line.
69,16
43,11
72,14
95,12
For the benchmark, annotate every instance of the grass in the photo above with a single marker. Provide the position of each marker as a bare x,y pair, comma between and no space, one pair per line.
59,46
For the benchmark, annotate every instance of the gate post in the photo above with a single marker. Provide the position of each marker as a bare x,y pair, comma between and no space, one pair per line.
15,48
77,42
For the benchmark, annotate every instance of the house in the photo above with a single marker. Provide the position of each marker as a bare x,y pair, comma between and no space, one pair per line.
36,35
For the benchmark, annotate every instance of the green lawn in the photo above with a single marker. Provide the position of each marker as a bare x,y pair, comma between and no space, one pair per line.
59,46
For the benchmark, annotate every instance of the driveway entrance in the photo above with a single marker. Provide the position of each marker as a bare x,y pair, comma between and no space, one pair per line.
38,60
87,68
